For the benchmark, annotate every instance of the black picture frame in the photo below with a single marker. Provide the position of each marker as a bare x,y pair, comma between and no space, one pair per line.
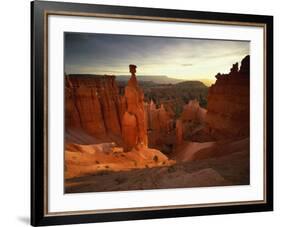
39,12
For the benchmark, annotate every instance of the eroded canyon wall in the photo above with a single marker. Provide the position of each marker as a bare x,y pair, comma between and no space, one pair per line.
92,104
229,102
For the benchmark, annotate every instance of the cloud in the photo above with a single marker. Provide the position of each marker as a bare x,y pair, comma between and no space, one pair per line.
177,57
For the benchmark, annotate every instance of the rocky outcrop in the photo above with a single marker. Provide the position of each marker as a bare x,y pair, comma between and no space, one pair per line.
179,132
160,124
193,112
158,119
191,120
134,130
165,132
92,104
229,102
83,160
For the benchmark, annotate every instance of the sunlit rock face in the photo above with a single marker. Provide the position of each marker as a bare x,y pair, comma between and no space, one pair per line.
92,103
229,103
134,130
83,160
104,158
129,131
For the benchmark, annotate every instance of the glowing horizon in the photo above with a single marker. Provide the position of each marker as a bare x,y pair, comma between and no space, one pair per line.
179,58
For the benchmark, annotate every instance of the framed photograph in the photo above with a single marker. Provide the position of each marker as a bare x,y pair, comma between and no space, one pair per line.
142,113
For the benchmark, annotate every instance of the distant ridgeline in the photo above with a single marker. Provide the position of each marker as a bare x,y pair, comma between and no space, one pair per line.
154,79
125,78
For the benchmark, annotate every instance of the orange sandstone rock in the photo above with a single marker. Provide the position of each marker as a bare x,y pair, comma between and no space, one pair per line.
134,99
129,131
93,104
229,102
179,132
193,112
160,125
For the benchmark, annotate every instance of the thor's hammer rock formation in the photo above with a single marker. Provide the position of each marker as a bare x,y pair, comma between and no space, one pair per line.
134,129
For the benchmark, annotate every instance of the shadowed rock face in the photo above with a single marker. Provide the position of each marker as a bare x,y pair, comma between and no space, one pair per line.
193,112
228,102
160,124
179,132
192,118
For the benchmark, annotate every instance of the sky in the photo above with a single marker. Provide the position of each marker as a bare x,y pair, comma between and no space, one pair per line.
181,58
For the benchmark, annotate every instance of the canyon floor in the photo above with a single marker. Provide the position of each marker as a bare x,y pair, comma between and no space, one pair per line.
228,166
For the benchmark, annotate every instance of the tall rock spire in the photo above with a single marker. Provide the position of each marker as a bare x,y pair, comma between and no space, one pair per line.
134,130
133,80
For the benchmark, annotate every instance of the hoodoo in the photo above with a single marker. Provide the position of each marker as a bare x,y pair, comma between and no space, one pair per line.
134,117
